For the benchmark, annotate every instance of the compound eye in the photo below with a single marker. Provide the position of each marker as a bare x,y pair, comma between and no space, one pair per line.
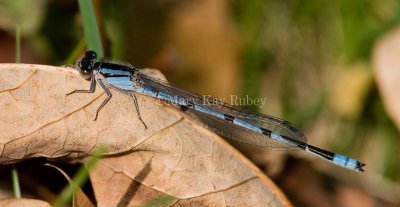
91,55
84,63
85,68
86,72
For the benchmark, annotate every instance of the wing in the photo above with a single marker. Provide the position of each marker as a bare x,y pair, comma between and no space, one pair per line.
226,128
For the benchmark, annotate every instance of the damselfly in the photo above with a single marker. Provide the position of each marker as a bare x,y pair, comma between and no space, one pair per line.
226,120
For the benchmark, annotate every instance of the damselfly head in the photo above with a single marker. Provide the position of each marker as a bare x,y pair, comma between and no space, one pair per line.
85,65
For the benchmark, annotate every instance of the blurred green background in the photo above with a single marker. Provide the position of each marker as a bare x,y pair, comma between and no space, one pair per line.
311,60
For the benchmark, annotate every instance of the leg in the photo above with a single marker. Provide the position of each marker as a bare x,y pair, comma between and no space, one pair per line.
137,110
109,95
91,89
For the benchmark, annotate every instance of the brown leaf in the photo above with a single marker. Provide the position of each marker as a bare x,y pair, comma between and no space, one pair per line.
37,119
350,89
23,202
174,157
188,163
387,70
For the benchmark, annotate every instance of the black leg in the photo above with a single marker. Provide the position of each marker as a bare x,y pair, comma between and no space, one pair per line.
109,95
137,110
91,89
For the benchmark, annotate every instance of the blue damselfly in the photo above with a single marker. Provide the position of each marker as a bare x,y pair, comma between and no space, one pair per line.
227,120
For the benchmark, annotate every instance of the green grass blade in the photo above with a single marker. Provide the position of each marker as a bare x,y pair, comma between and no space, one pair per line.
76,52
79,179
165,200
90,27
18,44
14,172
15,182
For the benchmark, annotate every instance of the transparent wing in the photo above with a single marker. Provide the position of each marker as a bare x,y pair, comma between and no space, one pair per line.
226,128
234,132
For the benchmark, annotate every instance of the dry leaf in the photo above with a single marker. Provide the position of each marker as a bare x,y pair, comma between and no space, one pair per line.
213,55
183,162
387,70
23,202
350,90
174,157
